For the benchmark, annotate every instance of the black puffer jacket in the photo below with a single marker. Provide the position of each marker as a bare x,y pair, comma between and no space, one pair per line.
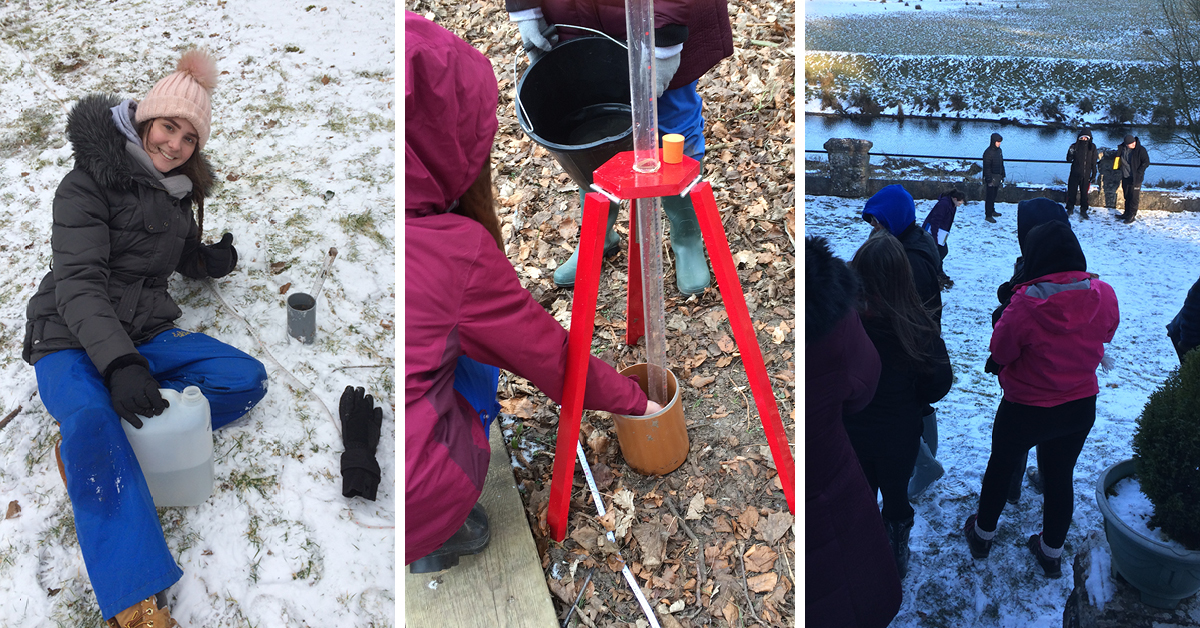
1134,162
993,163
1082,156
117,237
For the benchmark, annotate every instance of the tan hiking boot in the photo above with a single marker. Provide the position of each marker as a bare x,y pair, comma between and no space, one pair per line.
144,614
58,458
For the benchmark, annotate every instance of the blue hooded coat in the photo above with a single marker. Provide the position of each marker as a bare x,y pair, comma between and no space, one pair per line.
893,208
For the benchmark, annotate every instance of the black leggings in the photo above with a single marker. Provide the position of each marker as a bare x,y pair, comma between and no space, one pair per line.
887,469
1059,432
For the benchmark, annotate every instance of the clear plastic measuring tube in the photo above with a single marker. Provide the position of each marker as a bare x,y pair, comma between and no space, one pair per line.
639,27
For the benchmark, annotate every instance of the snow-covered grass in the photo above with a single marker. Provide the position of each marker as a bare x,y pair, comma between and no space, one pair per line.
1150,265
1002,59
304,145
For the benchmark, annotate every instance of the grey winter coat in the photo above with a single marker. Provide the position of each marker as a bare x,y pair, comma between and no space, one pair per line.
117,237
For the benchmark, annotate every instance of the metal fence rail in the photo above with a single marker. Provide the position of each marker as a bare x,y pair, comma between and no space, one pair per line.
1006,159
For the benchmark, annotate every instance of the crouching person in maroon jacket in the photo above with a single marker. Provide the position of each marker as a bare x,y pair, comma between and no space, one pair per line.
463,298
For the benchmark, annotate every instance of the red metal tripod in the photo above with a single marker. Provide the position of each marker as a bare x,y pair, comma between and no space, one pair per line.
618,179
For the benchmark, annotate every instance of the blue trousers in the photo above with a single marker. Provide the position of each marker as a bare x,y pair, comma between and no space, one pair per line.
119,534
679,111
477,382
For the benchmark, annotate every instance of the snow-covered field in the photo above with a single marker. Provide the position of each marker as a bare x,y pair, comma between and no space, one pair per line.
1151,265
304,146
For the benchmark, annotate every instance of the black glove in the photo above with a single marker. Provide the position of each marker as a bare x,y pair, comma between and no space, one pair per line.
134,391
220,258
991,366
361,423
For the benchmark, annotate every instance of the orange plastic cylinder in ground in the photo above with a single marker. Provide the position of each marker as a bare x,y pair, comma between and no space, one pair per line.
656,444
672,148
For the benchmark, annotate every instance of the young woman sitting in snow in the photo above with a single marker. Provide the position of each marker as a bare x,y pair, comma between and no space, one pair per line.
101,333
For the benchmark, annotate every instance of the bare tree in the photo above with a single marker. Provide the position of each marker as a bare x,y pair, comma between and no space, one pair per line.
1176,44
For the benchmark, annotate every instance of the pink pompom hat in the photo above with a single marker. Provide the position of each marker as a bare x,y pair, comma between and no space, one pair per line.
186,93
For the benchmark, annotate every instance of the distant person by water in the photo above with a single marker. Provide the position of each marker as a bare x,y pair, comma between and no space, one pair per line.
1083,157
939,221
993,176
1132,161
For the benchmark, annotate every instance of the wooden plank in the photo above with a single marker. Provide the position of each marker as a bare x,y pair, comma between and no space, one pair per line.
501,587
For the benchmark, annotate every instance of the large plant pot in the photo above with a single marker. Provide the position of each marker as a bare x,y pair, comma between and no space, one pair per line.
1164,575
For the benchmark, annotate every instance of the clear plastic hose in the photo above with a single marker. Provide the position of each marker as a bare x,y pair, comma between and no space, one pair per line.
639,26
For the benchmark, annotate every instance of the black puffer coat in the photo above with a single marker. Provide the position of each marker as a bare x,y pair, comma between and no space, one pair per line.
1082,156
1134,162
117,237
993,163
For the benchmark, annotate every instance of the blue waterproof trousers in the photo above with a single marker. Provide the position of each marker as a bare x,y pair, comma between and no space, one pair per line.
477,383
115,520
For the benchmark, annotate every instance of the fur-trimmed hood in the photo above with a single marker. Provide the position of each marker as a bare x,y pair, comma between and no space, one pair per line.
831,288
99,148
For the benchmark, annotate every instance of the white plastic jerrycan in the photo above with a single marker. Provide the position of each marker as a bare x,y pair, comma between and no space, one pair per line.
175,449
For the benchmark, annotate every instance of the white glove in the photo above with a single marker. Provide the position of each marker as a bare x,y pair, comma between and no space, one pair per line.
1106,362
664,69
536,35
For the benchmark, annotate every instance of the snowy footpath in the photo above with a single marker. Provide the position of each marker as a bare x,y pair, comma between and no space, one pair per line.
303,143
1150,264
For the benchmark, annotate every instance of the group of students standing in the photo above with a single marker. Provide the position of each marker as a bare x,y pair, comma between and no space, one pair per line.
1131,160
876,362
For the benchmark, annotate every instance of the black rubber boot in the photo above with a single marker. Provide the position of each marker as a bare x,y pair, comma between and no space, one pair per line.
471,538
691,267
898,533
564,276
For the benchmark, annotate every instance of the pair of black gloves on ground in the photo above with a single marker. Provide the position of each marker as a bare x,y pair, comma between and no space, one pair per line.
134,392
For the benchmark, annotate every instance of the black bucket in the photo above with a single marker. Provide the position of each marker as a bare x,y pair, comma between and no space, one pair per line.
574,101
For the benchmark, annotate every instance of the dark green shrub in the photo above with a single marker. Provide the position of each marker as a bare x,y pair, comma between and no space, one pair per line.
1167,446
1085,105
1163,114
864,102
957,103
1121,112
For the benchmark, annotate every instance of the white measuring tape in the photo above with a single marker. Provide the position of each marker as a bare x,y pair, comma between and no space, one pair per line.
637,590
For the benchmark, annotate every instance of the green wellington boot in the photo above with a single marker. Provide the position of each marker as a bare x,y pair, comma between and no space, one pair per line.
691,269
564,275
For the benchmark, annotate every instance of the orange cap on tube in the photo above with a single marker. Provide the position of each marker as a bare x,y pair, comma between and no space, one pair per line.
672,148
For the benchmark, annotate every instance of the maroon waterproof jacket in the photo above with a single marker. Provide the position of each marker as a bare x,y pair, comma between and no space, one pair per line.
709,34
850,578
462,296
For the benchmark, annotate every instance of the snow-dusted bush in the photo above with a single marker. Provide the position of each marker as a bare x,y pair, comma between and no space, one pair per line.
1167,446
1121,112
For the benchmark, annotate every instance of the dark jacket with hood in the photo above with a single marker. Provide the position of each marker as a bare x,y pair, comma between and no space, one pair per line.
941,217
993,163
1082,156
702,26
893,208
1030,213
1133,161
118,235
851,576
1184,329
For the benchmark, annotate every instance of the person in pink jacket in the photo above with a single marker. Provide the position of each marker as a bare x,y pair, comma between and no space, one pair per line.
1048,343
463,298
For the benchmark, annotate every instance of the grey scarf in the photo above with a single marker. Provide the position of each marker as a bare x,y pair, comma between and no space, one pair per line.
178,186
